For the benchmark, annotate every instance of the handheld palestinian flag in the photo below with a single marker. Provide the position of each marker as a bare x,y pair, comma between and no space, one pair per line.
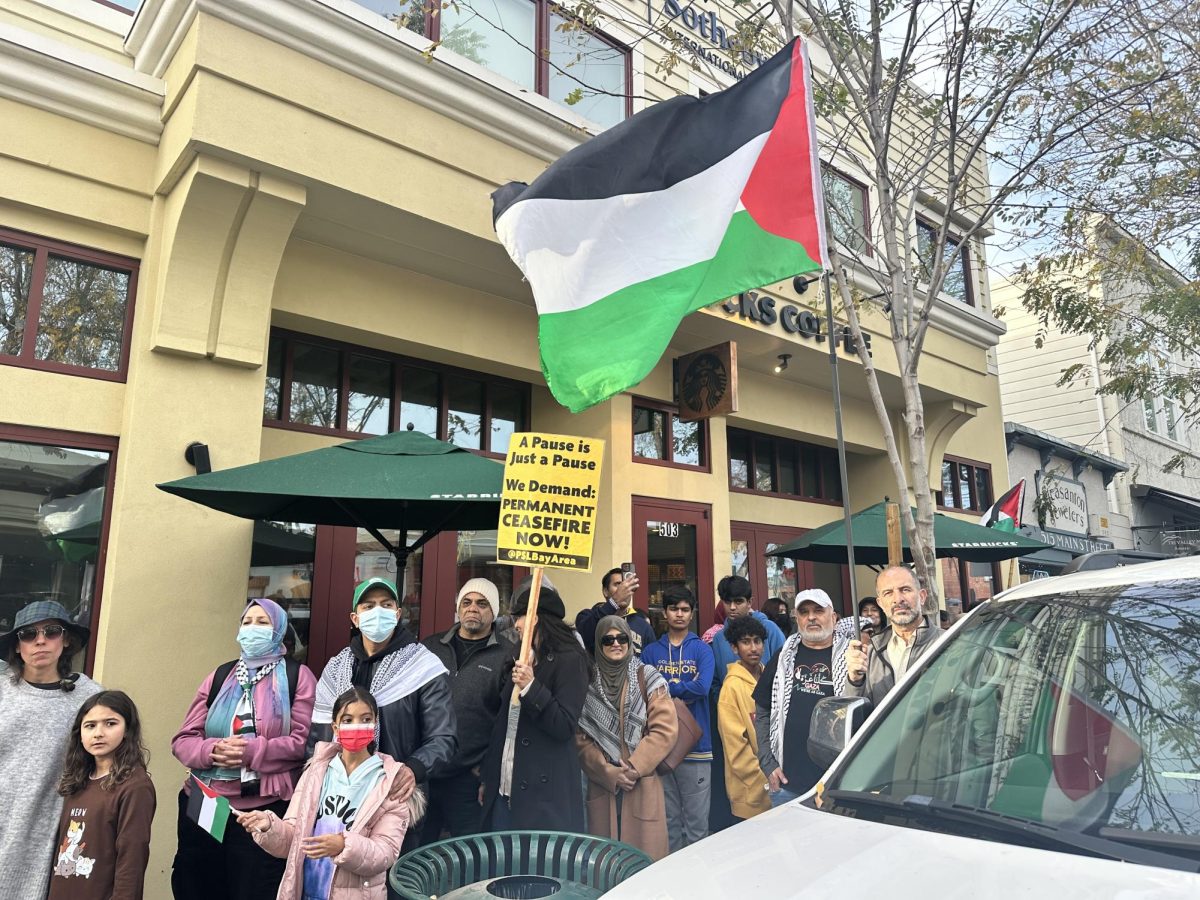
1005,513
208,809
689,202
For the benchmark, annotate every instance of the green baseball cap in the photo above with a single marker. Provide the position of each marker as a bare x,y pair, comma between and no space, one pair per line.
364,586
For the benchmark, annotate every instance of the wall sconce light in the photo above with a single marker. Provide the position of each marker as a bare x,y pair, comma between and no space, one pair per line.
783,362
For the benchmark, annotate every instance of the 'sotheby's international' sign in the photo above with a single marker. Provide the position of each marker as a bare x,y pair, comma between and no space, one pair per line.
706,24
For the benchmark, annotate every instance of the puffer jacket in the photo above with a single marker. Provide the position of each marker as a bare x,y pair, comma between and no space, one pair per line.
881,677
372,842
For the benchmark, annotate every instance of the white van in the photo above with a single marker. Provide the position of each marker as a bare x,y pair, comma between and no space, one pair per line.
1047,746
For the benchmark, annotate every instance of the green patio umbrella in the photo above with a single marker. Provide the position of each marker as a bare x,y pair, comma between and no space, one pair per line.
952,537
406,480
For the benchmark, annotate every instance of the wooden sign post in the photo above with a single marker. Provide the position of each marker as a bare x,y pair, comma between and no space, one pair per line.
894,539
535,590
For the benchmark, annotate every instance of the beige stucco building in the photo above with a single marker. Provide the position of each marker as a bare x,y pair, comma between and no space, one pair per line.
264,226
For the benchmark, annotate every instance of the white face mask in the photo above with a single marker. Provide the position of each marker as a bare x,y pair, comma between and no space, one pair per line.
377,623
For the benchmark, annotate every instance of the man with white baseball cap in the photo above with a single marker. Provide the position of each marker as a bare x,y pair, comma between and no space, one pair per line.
805,670
475,655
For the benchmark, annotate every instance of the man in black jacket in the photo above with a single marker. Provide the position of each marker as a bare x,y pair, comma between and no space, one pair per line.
410,684
475,656
618,591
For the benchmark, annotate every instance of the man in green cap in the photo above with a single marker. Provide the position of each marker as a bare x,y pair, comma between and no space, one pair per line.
410,684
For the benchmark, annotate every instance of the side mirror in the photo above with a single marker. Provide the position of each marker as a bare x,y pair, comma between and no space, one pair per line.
834,721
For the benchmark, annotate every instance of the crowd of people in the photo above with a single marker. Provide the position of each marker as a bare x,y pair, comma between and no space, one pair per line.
608,729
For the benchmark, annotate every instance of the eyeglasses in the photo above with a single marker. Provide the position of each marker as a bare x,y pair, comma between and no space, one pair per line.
609,639
29,635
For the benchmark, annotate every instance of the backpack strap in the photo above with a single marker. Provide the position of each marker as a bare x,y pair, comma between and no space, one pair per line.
290,666
219,677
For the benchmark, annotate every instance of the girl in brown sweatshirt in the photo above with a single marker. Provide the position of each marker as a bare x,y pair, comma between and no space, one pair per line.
104,832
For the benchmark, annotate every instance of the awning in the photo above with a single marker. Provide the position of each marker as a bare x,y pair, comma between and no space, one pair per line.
1190,506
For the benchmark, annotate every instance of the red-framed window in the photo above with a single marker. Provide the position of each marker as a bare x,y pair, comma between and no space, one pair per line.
660,437
966,485
333,388
57,489
772,576
957,282
781,467
535,43
848,210
65,308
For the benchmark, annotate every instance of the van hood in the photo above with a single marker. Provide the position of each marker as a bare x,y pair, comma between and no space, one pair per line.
797,852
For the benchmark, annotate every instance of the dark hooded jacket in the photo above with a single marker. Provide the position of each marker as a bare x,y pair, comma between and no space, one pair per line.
419,729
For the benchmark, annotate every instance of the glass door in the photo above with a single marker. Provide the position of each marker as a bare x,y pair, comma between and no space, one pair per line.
672,543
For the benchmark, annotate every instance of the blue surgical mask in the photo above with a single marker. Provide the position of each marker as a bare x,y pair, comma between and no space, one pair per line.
257,641
377,623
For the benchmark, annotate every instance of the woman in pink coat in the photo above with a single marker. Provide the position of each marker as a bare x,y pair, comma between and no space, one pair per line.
341,833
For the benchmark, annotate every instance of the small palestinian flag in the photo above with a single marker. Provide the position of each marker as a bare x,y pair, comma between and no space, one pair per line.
691,201
208,809
1005,513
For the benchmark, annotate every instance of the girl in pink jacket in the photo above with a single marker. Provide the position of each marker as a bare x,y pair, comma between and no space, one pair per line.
341,833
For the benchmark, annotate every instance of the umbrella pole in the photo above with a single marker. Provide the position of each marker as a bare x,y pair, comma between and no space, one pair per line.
841,452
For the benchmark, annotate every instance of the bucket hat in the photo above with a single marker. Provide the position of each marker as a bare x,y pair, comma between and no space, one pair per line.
41,611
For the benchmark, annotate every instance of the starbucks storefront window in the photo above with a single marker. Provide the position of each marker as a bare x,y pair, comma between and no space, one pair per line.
54,526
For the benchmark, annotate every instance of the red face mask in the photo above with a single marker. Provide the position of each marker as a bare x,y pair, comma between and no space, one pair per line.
355,737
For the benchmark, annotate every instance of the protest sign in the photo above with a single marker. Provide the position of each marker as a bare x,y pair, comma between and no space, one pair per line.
548,505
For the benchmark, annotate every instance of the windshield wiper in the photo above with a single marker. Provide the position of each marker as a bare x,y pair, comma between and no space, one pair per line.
1185,843
919,806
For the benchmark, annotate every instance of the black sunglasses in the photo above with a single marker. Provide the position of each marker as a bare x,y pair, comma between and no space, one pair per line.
29,635
609,639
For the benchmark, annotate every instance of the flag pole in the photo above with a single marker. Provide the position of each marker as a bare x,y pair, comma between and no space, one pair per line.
841,452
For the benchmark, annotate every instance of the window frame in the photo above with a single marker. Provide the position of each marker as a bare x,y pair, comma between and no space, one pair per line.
964,259
79,440
432,29
975,466
42,247
672,413
824,477
868,249
398,364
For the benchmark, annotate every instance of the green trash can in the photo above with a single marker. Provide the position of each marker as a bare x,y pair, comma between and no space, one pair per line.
516,864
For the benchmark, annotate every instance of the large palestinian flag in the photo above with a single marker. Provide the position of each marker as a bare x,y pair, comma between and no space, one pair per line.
689,202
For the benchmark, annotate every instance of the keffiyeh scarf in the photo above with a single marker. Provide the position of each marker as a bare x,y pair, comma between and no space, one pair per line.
781,687
395,677
605,724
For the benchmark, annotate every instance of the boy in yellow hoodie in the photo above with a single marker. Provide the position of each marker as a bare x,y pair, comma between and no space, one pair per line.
744,780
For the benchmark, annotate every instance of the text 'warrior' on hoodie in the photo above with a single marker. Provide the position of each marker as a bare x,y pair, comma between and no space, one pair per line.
688,669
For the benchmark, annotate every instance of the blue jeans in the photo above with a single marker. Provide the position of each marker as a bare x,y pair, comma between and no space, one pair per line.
782,796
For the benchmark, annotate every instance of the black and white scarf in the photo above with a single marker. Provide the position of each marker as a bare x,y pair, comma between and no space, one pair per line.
781,687
395,677
604,722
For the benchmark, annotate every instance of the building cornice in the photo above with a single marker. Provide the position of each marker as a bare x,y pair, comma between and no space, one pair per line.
367,46
47,74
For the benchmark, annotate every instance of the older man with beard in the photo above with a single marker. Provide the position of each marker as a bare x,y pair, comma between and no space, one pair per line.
874,668
475,656
808,668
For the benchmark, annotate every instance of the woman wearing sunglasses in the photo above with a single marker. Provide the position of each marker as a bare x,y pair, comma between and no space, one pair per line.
627,728
39,698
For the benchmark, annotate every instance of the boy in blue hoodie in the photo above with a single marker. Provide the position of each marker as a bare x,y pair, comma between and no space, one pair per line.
686,662
734,591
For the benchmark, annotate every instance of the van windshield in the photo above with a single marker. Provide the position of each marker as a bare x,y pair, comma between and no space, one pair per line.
1080,711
